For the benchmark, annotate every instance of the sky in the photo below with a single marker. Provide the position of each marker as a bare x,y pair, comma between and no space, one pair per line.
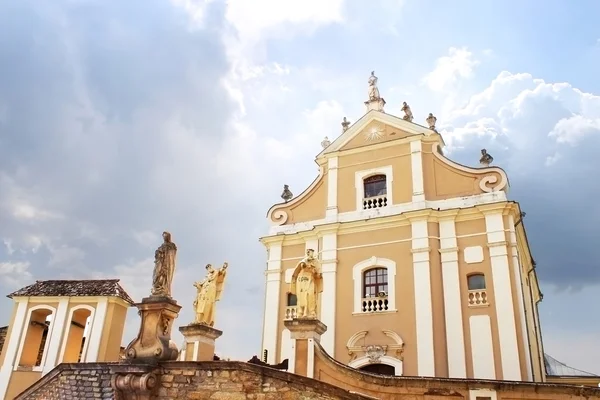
119,120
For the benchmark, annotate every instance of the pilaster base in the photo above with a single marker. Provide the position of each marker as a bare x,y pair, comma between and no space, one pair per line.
304,332
153,341
199,342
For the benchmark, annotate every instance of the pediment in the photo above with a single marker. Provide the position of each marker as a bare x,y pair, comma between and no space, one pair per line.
373,128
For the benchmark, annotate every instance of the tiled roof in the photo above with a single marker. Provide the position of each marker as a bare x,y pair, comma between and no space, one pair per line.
557,368
74,288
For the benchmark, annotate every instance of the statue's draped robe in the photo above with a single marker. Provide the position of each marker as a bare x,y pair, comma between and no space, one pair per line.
164,269
306,284
209,292
373,90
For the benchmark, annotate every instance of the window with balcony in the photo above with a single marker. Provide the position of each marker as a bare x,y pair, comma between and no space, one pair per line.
477,290
290,309
375,290
375,192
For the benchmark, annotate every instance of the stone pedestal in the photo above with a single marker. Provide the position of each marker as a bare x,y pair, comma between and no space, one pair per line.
153,342
199,342
375,104
304,332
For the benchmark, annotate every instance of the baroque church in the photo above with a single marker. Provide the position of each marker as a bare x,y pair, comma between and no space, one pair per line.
397,274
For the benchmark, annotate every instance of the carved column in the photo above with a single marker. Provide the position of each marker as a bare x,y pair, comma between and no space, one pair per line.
304,332
153,341
199,342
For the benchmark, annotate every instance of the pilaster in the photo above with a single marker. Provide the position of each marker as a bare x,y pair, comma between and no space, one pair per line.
12,346
423,302
507,332
93,347
455,342
272,299
59,329
416,162
328,303
332,187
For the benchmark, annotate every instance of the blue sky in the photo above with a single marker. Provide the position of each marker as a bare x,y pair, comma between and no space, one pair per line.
119,120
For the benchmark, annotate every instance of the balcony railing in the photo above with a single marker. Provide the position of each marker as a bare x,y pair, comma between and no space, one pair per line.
374,202
374,304
478,298
290,313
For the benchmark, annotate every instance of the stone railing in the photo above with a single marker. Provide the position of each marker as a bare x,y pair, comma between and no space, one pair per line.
290,313
374,304
478,298
374,202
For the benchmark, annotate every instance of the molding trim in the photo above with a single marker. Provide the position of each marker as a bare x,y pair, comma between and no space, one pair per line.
360,176
357,275
387,360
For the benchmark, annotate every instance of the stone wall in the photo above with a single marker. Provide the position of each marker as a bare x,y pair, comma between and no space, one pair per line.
3,331
73,382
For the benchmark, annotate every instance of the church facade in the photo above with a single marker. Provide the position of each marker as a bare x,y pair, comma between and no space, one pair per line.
426,269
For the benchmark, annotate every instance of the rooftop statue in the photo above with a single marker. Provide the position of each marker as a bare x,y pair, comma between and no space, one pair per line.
486,158
209,292
307,283
408,115
373,90
345,124
431,120
325,143
287,194
164,267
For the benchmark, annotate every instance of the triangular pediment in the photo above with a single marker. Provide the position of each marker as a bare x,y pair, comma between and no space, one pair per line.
375,127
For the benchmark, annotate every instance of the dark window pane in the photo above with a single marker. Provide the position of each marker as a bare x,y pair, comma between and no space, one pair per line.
476,282
375,186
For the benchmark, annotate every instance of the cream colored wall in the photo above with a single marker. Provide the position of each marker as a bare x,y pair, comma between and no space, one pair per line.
8,334
19,381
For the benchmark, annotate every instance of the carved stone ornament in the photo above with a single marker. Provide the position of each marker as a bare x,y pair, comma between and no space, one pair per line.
486,158
325,143
431,120
374,133
287,194
408,115
153,341
135,386
345,125
375,352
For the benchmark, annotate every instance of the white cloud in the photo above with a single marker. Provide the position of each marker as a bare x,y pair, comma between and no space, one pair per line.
15,274
572,130
459,63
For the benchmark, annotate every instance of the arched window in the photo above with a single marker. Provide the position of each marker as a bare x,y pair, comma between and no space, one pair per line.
34,343
375,186
375,282
380,369
476,282
77,335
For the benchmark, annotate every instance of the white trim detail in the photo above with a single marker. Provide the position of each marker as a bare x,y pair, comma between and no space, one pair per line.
292,360
359,177
196,350
387,360
270,322
482,393
96,329
473,254
332,186
423,306
519,282
48,338
357,276
507,331
328,303
390,210
55,336
12,346
457,367
92,311
285,348
482,349
310,358
416,164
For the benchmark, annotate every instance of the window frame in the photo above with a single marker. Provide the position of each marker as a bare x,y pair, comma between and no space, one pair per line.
370,180
357,275
377,285
476,275
360,176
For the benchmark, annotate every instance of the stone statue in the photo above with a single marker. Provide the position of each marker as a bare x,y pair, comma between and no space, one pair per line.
345,125
373,90
431,120
408,115
325,143
307,283
164,267
486,159
287,193
209,292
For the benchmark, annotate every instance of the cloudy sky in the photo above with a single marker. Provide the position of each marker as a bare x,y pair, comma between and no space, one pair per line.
120,119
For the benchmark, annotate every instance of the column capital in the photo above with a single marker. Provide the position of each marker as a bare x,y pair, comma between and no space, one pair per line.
305,328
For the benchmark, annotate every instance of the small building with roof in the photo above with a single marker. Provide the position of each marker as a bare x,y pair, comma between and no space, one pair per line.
61,321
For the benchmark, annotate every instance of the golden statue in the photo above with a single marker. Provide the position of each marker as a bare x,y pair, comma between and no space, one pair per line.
164,267
307,283
209,292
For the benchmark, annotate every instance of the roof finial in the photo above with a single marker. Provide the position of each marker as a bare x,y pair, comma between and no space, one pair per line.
486,158
345,125
431,120
408,115
325,143
375,102
287,193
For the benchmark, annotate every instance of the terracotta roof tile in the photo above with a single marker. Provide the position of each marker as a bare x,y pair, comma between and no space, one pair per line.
74,288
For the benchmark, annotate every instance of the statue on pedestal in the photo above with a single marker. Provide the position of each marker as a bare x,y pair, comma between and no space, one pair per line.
164,267
307,283
209,292
373,90
408,115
